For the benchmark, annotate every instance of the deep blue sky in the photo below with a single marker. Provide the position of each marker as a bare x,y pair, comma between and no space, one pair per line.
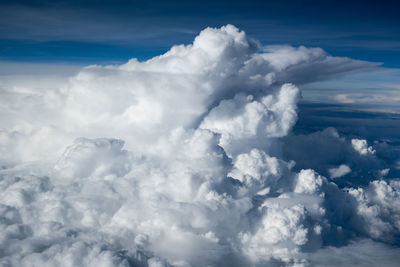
114,31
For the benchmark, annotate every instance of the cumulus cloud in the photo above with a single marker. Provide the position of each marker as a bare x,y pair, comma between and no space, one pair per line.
364,252
328,152
378,207
361,146
339,171
183,160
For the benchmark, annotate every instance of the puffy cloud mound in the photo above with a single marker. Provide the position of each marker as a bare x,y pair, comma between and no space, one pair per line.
340,171
97,157
181,160
378,206
337,157
361,146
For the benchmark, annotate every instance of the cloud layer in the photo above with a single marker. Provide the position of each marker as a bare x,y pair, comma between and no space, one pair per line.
184,160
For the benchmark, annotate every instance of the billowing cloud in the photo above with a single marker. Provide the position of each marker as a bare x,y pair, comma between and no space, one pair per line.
183,160
334,155
361,146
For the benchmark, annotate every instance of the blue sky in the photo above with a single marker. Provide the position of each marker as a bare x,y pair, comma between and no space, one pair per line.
113,31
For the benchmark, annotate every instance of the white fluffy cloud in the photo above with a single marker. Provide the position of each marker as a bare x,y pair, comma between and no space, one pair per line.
340,171
378,206
177,161
361,146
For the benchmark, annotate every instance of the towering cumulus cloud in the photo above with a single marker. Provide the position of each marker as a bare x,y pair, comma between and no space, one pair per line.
177,161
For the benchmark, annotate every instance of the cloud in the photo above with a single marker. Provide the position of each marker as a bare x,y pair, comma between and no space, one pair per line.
304,65
344,98
328,152
243,122
98,157
390,96
378,207
183,160
361,146
365,252
339,171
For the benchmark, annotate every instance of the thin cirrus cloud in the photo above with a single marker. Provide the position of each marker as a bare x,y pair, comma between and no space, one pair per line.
188,159
374,90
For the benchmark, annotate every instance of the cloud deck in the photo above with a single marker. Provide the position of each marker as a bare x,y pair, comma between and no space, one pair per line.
187,160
